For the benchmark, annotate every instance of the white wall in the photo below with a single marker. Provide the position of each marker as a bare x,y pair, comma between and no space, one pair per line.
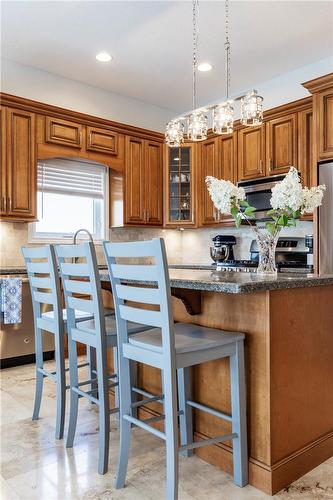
288,87
32,83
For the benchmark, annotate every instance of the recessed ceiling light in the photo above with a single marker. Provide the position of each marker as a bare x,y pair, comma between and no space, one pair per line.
103,57
205,67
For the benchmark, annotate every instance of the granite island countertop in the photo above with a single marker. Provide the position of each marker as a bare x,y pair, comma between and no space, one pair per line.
237,282
206,278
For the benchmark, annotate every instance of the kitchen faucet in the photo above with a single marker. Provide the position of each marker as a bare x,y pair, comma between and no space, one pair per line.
82,231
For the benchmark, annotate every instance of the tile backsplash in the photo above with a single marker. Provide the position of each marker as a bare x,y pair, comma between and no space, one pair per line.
190,246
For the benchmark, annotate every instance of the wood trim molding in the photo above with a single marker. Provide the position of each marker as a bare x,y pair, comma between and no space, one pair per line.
47,109
318,84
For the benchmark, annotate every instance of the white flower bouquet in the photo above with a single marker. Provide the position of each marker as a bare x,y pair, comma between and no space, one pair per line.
289,201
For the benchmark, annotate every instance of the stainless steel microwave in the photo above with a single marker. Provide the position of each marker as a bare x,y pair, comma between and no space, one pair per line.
258,193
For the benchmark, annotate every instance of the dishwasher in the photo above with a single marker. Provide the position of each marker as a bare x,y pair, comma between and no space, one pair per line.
17,341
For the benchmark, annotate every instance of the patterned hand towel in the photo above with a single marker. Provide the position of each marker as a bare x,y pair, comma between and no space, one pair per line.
11,300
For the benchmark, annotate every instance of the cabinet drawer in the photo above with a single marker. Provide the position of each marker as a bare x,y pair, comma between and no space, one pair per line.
102,140
63,132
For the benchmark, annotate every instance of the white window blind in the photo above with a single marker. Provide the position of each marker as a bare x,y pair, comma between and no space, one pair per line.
76,178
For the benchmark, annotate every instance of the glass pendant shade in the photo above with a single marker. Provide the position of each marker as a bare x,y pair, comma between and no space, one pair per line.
174,134
223,118
252,109
197,126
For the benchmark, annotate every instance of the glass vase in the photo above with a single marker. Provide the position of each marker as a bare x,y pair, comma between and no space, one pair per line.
266,246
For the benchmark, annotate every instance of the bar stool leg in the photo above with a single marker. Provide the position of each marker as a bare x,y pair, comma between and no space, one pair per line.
74,403
185,418
60,385
91,358
104,413
238,409
39,375
125,426
115,370
171,432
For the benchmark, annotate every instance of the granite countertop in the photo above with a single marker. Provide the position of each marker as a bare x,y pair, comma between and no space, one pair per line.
233,282
206,278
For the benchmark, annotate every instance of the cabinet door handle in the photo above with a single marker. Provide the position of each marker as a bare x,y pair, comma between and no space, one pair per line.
3,204
270,164
9,204
148,215
80,137
261,166
144,215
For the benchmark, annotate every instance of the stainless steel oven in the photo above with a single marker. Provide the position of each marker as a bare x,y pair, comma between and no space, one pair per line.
259,192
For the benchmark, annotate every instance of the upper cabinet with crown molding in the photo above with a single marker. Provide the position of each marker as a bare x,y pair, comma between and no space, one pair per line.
18,165
322,90
143,192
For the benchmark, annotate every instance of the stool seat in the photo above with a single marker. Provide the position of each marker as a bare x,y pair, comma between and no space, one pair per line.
79,315
188,338
110,326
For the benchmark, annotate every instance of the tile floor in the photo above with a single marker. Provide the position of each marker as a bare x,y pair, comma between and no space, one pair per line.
35,466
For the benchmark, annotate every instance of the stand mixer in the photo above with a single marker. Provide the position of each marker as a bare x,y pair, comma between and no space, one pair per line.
222,248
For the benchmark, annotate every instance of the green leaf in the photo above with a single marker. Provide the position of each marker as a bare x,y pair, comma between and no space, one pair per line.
234,212
249,210
271,228
238,220
243,203
283,220
272,211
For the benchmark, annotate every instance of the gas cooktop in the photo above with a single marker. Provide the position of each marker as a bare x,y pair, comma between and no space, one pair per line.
250,266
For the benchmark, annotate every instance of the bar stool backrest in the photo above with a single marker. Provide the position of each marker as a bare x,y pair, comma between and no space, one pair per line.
153,289
41,264
81,284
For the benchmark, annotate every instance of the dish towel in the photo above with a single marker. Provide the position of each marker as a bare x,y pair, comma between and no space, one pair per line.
11,300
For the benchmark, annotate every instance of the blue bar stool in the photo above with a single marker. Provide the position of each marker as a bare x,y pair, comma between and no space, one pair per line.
45,290
169,347
82,289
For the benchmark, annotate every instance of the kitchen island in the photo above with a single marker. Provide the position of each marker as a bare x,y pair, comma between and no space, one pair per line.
288,323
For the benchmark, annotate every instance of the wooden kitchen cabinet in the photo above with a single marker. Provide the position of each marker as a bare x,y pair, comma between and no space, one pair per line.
63,132
281,144
19,168
251,152
218,159
143,182
180,186
102,140
227,158
3,177
305,145
209,166
325,118
154,182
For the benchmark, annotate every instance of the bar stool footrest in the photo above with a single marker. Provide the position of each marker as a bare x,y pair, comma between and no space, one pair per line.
141,423
205,442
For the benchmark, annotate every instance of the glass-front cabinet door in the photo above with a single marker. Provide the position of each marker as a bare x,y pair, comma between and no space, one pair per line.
180,182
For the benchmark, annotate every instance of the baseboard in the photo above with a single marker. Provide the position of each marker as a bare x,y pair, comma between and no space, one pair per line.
24,360
269,479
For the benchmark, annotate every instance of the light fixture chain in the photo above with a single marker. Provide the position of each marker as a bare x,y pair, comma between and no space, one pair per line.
227,48
195,39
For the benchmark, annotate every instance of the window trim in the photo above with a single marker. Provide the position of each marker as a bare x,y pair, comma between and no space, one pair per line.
34,237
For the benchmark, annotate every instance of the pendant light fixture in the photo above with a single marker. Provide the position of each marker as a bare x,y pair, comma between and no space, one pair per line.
197,124
223,114
251,104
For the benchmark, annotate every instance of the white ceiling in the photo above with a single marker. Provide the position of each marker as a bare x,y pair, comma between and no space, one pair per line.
151,43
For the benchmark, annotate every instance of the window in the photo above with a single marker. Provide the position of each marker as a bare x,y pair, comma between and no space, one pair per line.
71,195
